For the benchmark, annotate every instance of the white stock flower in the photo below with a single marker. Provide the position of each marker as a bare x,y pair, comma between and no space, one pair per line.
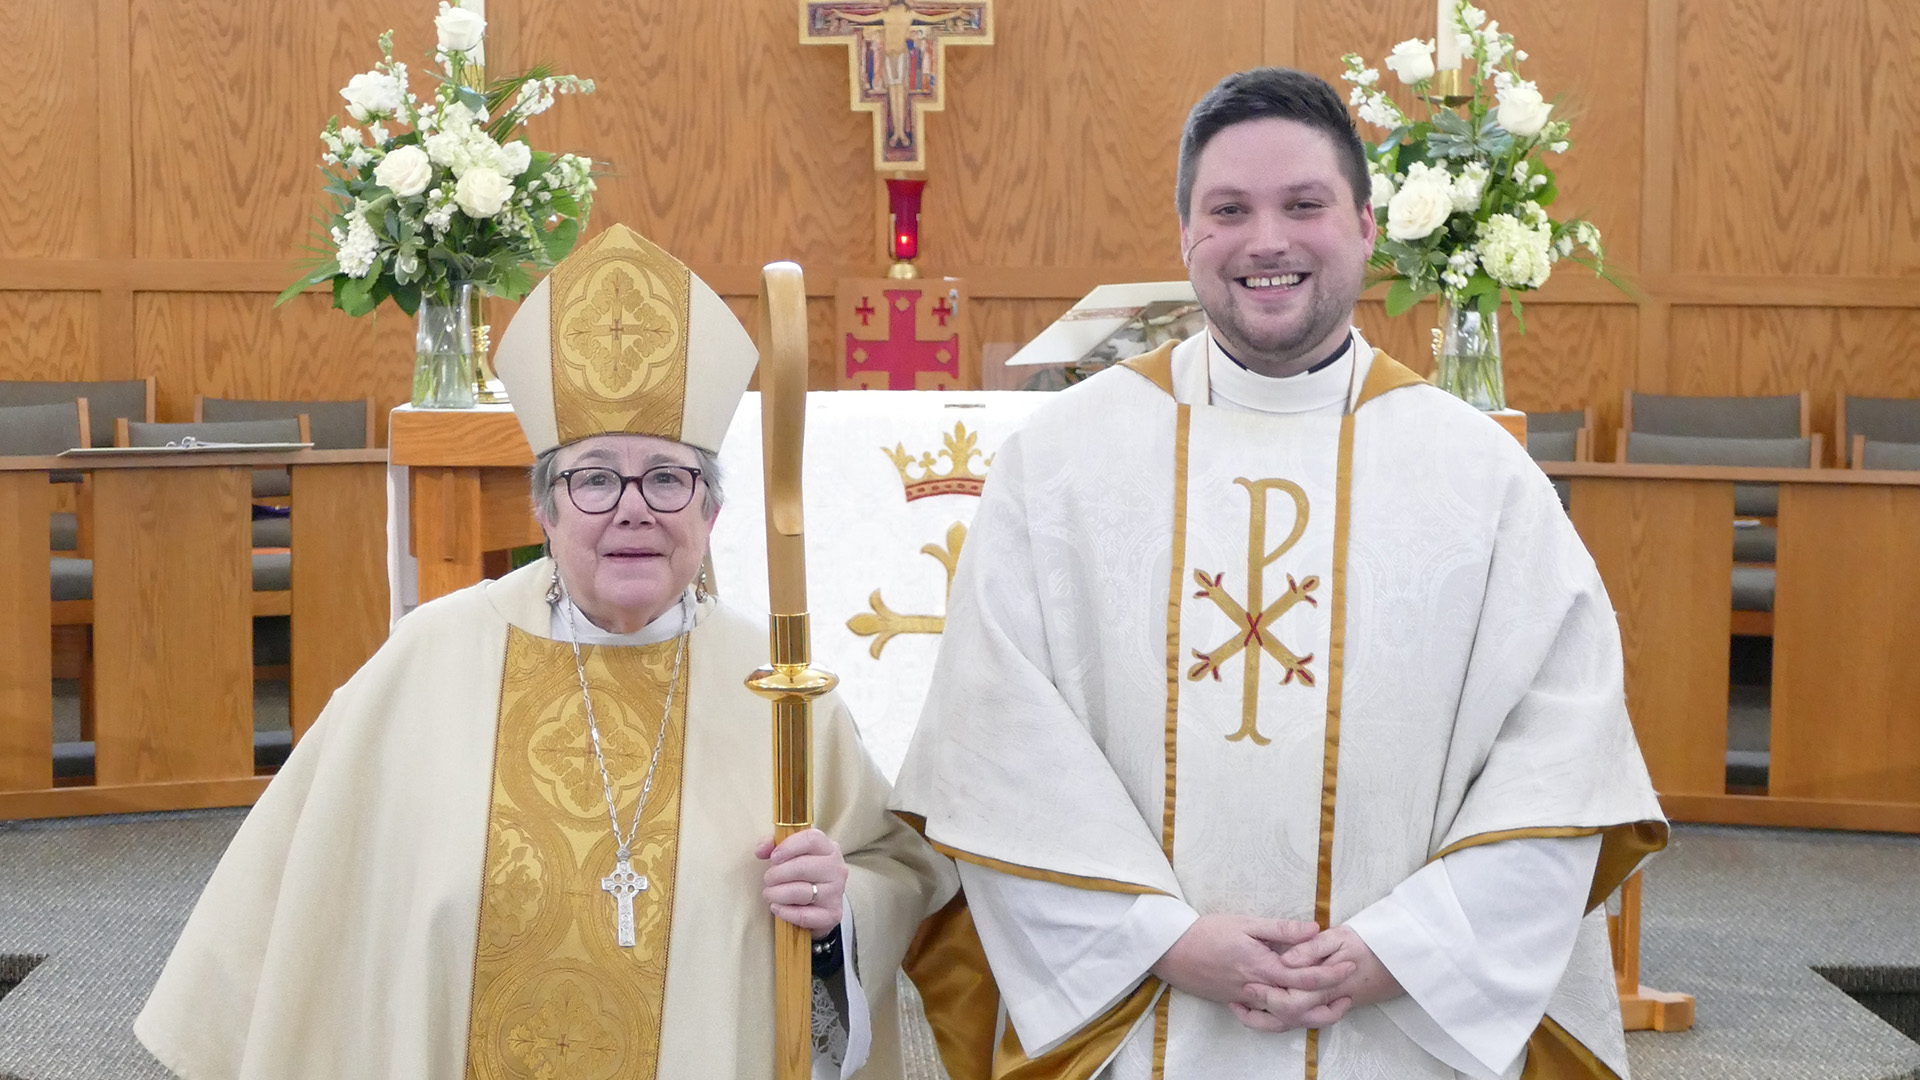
1559,147
514,158
1522,110
445,147
1382,190
1471,15
1588,234
460,30
482,192
1469,186
406,171
371,94
377,134
1380,111
1412,60
1423,204
1514,254
359,247
359,158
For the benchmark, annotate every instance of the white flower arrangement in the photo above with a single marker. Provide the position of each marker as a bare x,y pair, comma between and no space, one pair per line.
444,190
1461,197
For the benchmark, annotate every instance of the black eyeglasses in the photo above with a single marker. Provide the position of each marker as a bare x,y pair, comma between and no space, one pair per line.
666,489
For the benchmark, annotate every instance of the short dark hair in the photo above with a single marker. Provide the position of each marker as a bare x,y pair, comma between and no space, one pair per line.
1279,93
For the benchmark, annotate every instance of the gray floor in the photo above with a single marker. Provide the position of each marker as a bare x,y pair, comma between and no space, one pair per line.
1734,916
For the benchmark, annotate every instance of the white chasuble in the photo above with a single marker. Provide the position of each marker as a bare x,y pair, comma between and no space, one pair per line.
1269,665
419,891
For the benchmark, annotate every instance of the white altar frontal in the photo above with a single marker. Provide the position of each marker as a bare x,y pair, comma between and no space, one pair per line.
892,481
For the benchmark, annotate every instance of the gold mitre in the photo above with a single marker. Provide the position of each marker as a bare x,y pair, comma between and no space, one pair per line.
623,339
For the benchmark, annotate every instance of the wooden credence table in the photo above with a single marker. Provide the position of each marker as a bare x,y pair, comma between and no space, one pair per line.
173,608
466,492
1844,747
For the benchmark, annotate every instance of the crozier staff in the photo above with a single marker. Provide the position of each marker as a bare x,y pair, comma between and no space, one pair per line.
529,838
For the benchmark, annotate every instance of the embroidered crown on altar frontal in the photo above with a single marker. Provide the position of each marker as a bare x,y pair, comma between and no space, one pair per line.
959,477
621,338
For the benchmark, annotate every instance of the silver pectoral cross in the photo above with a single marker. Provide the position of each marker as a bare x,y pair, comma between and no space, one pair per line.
624,884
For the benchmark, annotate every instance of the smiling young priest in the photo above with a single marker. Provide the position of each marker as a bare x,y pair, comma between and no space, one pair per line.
1278,725
528,838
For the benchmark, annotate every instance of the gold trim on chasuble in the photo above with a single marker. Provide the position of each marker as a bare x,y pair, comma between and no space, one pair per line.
619,330
554,995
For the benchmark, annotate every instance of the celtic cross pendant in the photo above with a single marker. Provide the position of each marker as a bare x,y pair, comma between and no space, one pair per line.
624,884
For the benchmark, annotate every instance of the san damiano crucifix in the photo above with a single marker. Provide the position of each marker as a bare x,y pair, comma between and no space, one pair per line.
896,50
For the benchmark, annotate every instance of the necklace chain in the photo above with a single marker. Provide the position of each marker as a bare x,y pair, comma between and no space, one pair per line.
624,841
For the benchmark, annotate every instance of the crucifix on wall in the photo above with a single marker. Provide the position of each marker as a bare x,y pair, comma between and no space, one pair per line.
896,50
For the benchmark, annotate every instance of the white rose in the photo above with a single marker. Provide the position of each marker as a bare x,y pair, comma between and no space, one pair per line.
482,192
405,171
1420,206
1522,110
1412,60
372,94
515,157
460,29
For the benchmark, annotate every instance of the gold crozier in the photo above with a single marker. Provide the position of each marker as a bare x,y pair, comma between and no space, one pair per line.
1253,624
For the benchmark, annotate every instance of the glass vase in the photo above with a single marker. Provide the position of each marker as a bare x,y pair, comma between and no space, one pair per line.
443,349
1467,363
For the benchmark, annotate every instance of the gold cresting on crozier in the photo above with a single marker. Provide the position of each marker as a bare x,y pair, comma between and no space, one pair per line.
619,332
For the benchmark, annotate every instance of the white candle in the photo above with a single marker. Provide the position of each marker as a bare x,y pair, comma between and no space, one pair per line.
1448,40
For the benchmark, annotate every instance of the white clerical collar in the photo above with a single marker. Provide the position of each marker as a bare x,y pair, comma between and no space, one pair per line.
671,623
1323,391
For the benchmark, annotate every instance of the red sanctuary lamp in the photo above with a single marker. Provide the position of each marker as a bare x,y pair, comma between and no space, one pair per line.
903,203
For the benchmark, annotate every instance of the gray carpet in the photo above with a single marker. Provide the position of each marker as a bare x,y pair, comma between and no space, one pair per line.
1737,917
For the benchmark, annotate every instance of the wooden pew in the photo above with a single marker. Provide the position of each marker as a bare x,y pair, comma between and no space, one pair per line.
1845,742
173,621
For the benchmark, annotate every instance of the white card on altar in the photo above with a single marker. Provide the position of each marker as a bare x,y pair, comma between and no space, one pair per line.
878,538
1095,318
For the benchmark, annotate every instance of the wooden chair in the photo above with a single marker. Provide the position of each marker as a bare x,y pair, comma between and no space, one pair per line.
272,562
43,431
1871,454
107,401
1783,416
1755,541
1879,420
332,425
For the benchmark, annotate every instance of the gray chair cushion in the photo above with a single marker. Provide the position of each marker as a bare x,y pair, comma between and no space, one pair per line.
1755,543
39,430
273,532
272,483
236,431
1752,588
1890,455
72,579
106,401
1551,445
273,572
1891,420
1571,420
63,532
1749,500
334,425
1718,417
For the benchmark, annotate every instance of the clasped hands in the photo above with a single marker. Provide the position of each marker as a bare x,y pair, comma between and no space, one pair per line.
1276,974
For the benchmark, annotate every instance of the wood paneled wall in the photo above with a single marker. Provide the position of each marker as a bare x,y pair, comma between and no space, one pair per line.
1747,161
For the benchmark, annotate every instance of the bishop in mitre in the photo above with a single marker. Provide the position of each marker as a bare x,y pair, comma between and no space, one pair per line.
528,838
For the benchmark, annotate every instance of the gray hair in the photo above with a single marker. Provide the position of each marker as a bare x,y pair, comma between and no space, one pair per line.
541,478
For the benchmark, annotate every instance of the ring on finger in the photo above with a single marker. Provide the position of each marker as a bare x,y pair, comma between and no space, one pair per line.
815,898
